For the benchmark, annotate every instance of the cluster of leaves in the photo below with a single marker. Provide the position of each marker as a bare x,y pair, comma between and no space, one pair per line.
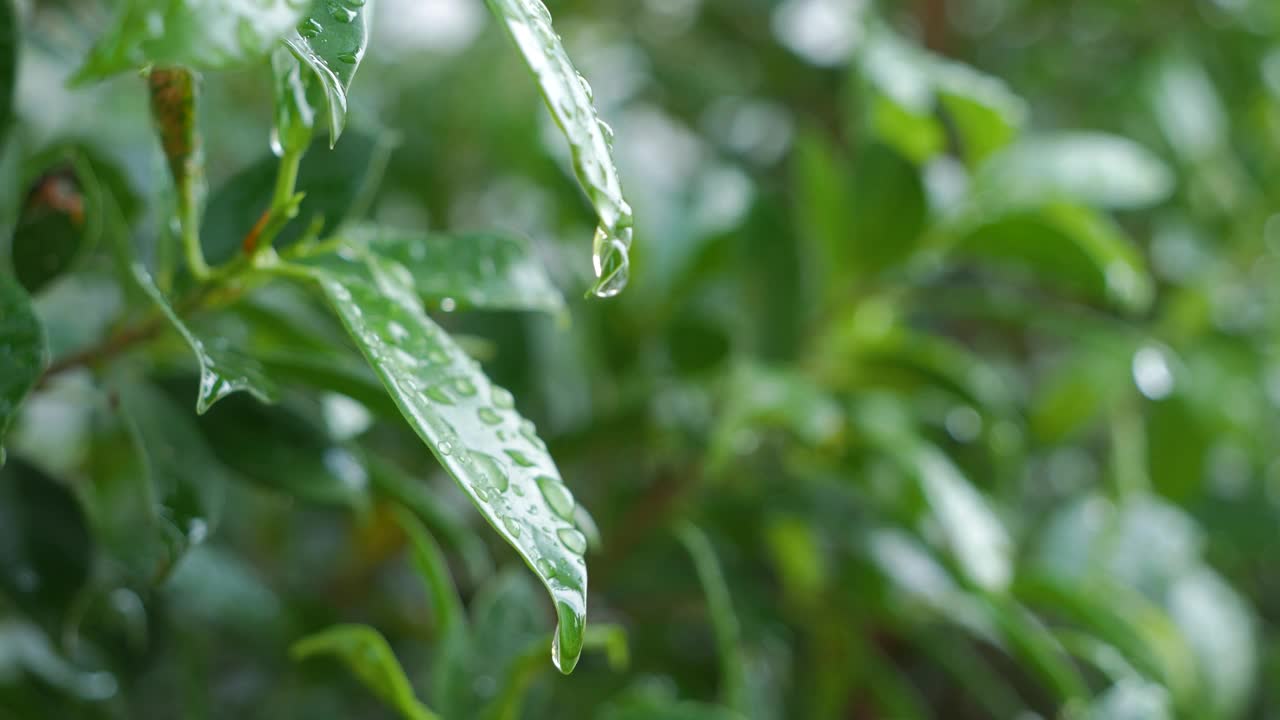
936,393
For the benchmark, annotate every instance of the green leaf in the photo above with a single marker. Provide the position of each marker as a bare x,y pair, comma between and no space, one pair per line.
368,655
430,563
865,216
46,550
279,448
223,369
911,85
8,64
485,271
470,424
569,98
1132,700
1095,169
25,649
61,219
24,353
202,34
724,621
1219,627
335,185
1070,247
331,42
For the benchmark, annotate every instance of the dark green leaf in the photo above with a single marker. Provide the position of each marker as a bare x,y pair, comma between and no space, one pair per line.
1071,247
203,34
22,352
569,98
61,219
46,552
25,649
728,633
223,369
368,655
331,42
486,271
8,64
275,447
470,424
334,182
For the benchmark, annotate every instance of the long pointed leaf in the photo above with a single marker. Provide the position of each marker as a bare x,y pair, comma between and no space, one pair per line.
569,99
469,423
331,43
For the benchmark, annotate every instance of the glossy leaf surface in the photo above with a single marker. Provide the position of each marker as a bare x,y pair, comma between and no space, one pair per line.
569,98
469,423
203,34
223,369
330,42
485,271
22,352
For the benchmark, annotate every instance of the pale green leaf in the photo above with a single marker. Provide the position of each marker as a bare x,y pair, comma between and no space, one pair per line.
1096,169
569,98
470,424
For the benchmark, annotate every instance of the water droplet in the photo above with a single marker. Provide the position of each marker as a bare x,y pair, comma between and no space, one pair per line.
277,148
489,416
349,58
437,394
341,13
612,261
310,28
464,387
557,496
448,305
397,331
490,471
445,447
573,539
545,568
512,526
520,458
502,398
530,432
484,493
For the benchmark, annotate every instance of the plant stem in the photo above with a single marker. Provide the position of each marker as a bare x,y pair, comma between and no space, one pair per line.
174,92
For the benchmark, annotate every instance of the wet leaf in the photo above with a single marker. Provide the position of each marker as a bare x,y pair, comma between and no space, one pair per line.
367,654
330,43
469,423
569,98
202,34
223,369
22,352
485,271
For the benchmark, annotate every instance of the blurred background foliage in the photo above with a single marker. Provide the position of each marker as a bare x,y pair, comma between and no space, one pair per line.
946,385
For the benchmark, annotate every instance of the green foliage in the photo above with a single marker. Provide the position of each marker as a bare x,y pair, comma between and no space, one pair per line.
945,382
